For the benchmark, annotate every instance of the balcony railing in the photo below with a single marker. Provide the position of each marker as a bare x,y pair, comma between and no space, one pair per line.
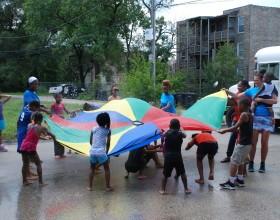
220,36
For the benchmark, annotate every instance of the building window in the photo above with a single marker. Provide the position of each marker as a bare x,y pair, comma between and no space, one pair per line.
183,56
240,24
240,50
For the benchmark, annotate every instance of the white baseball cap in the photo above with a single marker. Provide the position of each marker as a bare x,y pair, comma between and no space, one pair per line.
32,79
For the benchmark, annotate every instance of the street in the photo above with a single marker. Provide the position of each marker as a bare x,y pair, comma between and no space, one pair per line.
66,197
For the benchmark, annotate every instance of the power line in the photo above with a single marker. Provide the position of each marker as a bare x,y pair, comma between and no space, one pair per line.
25,50
43,47
198,2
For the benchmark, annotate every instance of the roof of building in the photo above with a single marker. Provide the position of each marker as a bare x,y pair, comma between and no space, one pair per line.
225,12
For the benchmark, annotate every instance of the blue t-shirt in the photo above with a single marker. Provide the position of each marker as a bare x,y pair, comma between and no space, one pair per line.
29,96
166,99
261,109
1,111
22,125
24,118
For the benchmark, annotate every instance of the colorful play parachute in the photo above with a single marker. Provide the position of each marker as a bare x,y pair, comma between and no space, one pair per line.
134,123
209,110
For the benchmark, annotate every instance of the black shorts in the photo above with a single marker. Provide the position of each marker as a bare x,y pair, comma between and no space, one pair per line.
149,156
173,161
204,149
28,157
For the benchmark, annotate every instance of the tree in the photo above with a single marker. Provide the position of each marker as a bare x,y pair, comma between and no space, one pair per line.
86,30
137,82
221,69
134,18
165,31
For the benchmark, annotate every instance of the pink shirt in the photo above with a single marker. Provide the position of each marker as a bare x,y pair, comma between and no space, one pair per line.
58,109
30,141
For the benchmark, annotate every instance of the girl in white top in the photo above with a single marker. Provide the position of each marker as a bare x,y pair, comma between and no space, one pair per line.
100,143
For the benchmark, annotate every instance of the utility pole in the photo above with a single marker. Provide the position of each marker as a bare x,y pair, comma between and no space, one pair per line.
153,18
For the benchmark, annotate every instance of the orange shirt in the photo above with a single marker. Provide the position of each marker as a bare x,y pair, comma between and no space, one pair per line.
204,138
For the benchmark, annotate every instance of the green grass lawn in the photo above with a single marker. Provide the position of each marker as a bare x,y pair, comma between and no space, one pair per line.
11,113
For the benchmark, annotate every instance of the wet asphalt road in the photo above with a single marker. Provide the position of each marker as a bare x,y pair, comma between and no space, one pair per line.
66,196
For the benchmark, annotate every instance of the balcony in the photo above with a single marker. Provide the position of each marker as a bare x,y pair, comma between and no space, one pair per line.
220,36
195,50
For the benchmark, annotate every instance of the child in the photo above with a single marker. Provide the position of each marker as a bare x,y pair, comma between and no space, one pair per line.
151,153
24,120
243,147
29,146
58,108
136,163
139,158
206,145
265,92
3,100
100,143
173,140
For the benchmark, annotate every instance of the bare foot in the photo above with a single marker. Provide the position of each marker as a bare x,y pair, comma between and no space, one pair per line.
188,191
32,177
89,188
33,174
43,184
211,177
109,189
162,192
141,177
26,183
199,181
98,171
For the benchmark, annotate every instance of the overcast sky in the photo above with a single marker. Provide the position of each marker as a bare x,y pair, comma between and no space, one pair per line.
208,7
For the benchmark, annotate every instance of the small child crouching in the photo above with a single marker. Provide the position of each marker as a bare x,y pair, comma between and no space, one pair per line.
206,145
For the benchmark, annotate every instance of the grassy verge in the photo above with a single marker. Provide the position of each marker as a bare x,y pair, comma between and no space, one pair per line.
11,113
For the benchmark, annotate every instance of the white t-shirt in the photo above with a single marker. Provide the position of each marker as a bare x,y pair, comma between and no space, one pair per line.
99,141
269,90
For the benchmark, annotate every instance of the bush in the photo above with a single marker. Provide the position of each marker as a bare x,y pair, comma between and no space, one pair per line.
221,69
138,82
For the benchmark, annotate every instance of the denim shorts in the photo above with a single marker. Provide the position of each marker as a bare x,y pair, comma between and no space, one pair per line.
98,159
263,123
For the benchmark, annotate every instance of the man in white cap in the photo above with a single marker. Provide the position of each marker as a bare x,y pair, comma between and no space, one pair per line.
30,93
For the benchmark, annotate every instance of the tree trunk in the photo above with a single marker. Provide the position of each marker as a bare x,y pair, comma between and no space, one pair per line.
79,53
96,67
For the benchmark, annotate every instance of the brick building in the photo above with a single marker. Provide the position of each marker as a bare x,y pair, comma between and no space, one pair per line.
248,28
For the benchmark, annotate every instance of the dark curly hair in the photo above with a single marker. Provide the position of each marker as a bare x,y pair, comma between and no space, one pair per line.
103,119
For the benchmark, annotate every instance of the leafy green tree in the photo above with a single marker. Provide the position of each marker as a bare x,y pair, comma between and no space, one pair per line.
137,82
221,69
86,30
134,18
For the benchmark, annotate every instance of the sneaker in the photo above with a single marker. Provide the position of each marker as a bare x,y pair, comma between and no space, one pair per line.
225,160
251,167
2,148
262,168
228,185
239,183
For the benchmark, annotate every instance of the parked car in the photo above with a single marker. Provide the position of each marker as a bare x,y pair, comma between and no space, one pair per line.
67,90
